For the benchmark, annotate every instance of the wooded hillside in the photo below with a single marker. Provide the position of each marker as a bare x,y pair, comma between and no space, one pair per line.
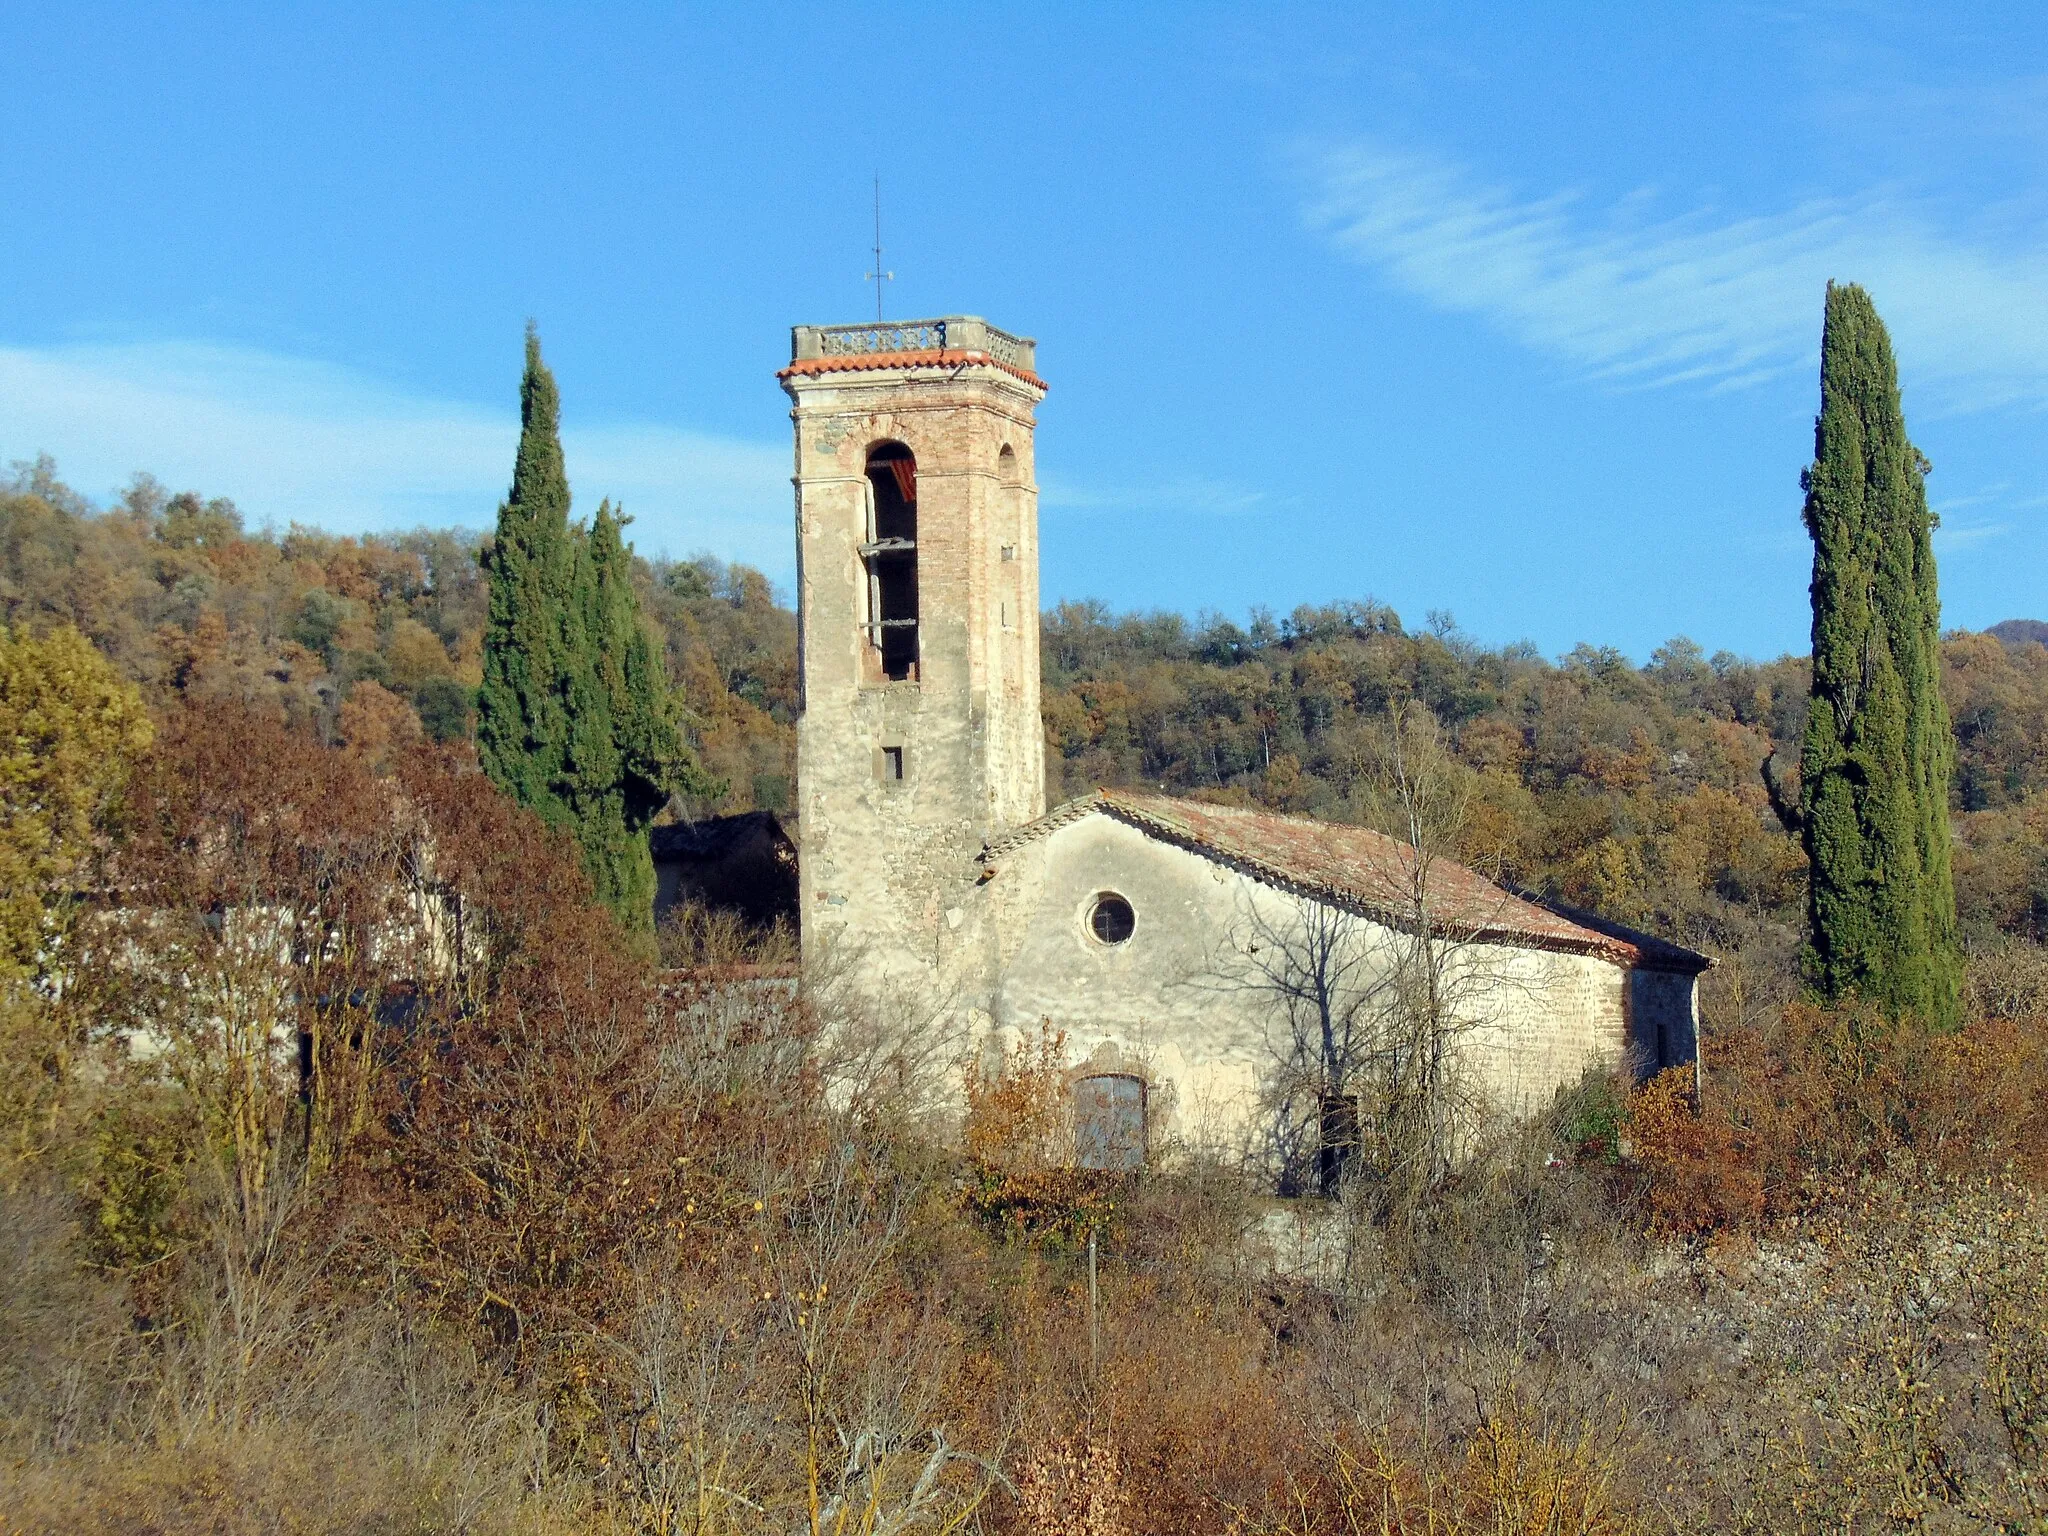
187,601
1634,790
314,1220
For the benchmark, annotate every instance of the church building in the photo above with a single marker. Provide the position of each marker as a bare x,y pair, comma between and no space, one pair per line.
1208,966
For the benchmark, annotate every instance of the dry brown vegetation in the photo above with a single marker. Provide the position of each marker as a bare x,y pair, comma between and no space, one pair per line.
354,1176
312,1230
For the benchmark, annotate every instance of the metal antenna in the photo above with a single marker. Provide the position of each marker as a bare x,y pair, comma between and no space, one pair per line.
878,276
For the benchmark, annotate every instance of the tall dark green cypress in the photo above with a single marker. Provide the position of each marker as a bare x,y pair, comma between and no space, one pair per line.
522,727
575,718
1879,749
627,747
653,757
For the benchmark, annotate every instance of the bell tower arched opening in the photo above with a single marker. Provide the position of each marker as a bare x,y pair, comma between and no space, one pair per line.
890,555
921,736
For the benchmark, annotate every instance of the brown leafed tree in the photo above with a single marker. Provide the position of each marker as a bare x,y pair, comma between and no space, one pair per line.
258,912
552,1121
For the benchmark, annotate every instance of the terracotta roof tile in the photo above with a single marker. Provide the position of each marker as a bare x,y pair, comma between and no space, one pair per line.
1358,868
863,362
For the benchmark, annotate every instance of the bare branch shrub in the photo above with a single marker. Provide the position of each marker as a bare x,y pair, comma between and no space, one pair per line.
64,1348
2007,979
694,937
1374,1006
695,1438
1913,1389
887,1051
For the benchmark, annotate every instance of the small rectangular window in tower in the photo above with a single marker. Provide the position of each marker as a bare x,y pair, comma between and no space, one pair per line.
892,765
1009,551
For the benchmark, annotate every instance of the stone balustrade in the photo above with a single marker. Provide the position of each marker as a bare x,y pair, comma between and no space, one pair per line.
952,333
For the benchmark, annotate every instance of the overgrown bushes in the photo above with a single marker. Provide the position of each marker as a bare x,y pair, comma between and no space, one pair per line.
357,1178
1792,1110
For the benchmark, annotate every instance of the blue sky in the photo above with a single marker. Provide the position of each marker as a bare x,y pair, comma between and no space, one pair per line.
1512,313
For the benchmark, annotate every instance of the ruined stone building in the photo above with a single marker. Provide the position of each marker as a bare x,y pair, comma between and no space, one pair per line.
1197,958
743,864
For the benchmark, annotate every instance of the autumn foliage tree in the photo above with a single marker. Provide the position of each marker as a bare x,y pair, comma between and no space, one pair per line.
70,729
265,890
389,1006
524,1147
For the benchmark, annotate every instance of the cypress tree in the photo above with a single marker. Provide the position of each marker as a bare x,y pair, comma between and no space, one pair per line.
575,718
654,759
1879,750
529,659
626,745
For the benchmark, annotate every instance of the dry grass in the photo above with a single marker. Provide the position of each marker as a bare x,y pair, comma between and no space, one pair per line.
569,1251
697,938
260,1484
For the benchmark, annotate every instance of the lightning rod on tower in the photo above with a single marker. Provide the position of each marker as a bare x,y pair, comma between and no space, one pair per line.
878,276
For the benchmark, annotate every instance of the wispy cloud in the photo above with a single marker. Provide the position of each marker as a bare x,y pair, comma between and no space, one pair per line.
1954,538
297,440
1705,297
1216,498
1979,516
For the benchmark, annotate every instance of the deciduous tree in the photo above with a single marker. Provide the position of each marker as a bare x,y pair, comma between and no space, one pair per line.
69,728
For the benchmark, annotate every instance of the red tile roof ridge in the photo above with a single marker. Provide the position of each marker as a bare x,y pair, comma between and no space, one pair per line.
1351,865
930,357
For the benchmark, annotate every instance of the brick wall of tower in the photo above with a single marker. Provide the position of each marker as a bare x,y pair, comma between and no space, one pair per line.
885,864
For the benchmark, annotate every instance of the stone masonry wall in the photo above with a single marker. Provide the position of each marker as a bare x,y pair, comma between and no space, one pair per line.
885,862
1177,1005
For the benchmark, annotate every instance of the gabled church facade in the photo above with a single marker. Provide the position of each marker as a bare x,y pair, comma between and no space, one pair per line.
1171,942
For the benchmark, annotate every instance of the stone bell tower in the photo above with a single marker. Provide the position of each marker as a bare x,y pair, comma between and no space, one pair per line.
917,597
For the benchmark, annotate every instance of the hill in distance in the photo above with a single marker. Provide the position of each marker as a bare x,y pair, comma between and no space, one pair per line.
2020,631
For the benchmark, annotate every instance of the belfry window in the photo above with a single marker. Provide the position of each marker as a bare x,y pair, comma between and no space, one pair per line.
1010,539
889,556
